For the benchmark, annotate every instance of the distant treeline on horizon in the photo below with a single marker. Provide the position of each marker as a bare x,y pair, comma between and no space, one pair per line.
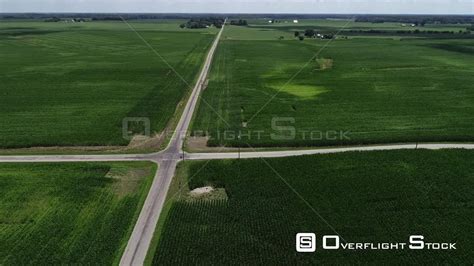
444,19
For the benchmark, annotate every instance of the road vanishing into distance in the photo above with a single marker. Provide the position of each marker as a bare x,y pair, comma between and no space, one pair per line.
167,160
139,243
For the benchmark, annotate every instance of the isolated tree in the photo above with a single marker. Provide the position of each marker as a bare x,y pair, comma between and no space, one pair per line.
301,38
297,33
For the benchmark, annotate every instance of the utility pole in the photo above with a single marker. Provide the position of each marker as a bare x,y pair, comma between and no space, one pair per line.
240,142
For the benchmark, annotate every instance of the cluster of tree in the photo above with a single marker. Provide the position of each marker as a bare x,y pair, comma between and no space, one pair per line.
203,23
417,31
416,19
240,22
275,21
111,18
310,33
56,19
53,19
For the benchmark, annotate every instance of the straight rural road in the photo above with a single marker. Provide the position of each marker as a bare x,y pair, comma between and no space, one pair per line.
71,158
162,157
288,153
142,235
167,160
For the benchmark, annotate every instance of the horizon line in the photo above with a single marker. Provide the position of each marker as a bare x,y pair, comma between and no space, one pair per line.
232,13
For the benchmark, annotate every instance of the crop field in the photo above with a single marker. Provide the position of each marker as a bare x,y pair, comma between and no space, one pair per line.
73,213
332,92
341,24
258,207
72,84
259,29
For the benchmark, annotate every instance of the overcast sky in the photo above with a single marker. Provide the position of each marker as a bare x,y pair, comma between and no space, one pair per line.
243,6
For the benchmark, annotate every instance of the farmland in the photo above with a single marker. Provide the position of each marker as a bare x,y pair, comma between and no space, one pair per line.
382,196
68,84
73,213
341,24
72,84
384,88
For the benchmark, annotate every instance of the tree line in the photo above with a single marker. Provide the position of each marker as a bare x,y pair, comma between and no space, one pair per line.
311,33
56,19
417,31
203,23
416,19
240,22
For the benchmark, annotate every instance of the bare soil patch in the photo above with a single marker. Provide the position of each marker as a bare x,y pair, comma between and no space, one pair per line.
325,63
206,193
201,190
